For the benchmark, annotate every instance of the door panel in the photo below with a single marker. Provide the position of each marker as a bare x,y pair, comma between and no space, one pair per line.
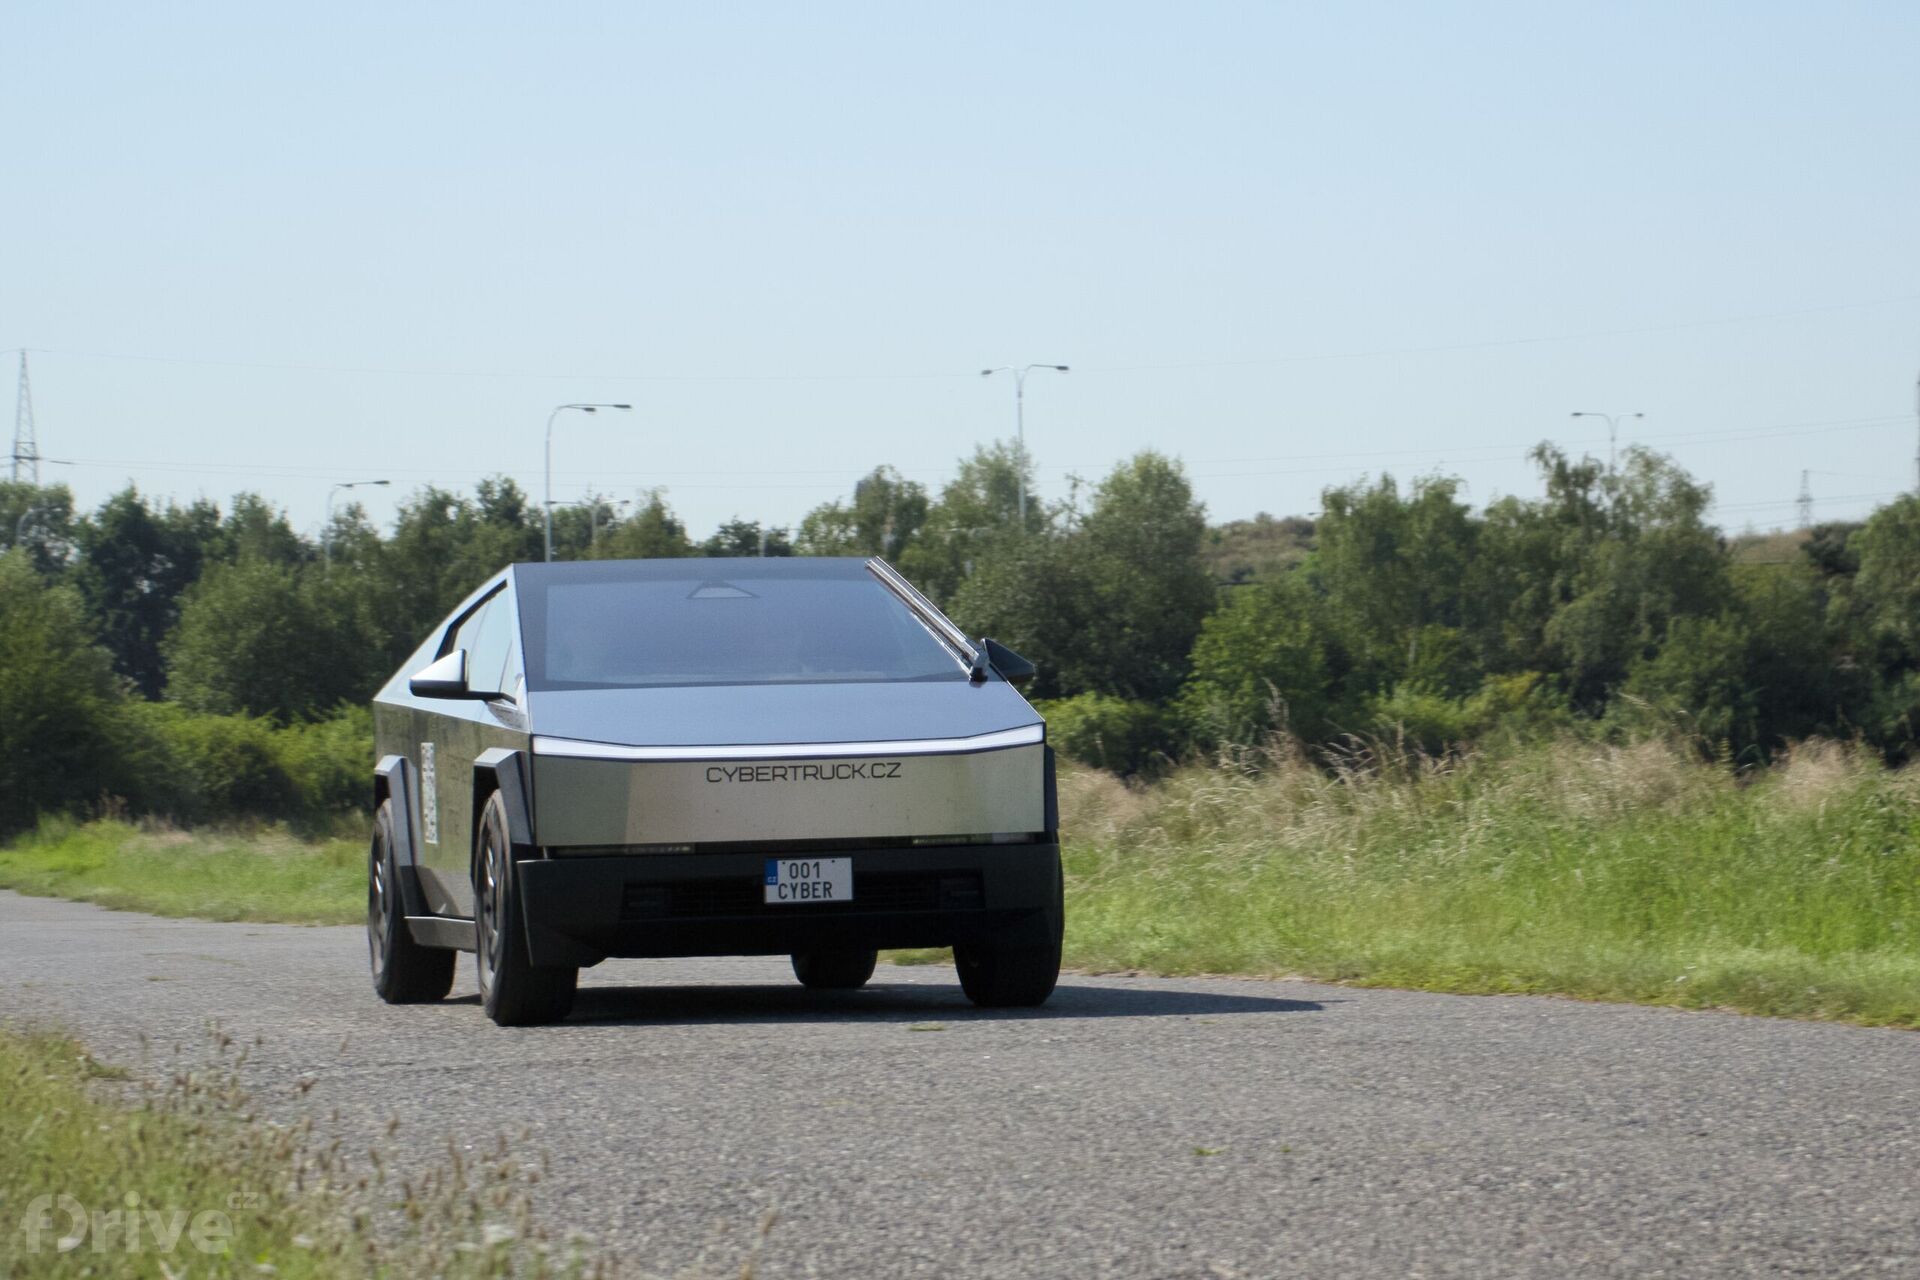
460,731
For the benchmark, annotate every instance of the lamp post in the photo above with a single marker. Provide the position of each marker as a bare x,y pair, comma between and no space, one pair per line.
326,530
1020,420
1613,429
547,502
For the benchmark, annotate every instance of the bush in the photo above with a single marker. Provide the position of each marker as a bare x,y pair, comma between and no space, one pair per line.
330,763
1260,665
193,767
1114,734
1422,718
59,721
1515,708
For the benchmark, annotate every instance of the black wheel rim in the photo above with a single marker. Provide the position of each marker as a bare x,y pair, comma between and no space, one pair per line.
487,917
377,906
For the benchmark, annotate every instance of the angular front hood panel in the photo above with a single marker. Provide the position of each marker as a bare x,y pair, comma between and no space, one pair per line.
773,715
608,802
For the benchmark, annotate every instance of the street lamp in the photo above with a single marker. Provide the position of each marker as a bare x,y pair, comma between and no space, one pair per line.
326,530
1613,429
1020,420
547,498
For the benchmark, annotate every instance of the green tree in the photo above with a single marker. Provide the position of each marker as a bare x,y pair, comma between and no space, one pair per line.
579,526
1656,560
828,530
443,546
40,520
256,637
1111,606
59,724
1142,540
1886,589
1038,596
882,520
1828,548
518,529
1755,676
977,511
1265,661
256,529
739,537
135,564
652,533
1874,611
1393,575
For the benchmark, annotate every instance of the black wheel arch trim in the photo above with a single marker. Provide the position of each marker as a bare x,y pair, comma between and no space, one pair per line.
394,779
504,769
1052,801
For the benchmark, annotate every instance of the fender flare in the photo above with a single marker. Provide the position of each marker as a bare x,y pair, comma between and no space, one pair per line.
1051,802
504,769
507,770
394,779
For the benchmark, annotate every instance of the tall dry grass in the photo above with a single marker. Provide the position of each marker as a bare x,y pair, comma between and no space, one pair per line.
1616,871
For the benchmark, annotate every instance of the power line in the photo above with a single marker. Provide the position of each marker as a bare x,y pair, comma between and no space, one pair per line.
871,375
1443,348
1731,435
1793,502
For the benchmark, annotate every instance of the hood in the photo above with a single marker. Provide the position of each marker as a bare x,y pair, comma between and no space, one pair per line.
775,714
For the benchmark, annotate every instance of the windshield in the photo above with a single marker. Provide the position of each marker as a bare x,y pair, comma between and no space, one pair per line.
706,622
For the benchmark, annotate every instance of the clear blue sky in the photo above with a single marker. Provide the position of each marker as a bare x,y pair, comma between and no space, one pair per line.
270,248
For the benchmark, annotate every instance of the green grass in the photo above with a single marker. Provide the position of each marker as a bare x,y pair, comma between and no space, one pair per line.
263,874
1622,873
61,1135
219,1193
1610,872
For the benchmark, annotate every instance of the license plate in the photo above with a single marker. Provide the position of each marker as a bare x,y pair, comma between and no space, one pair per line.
809,880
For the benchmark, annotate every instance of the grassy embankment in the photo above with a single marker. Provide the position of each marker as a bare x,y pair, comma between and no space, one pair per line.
103,1177
218,874
1630,873
1623,873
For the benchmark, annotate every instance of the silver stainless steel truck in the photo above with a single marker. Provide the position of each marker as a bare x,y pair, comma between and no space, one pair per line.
708,757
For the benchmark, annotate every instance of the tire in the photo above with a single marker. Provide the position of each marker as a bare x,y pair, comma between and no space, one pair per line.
514,991
404,972
834,970
1011,971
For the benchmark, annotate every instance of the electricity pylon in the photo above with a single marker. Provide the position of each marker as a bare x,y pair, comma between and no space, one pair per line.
26,450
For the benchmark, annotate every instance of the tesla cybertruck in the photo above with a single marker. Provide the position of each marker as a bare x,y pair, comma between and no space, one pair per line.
705,757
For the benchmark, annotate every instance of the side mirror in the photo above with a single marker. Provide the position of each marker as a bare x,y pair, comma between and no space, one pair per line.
446,678
1013,668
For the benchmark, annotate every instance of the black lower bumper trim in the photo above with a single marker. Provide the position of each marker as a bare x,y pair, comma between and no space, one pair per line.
581,910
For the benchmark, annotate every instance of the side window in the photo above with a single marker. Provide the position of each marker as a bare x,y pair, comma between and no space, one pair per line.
487,636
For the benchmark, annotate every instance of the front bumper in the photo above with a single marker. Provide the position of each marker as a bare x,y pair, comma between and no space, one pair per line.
581,910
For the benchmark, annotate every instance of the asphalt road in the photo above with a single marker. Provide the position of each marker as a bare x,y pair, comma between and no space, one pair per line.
898,1132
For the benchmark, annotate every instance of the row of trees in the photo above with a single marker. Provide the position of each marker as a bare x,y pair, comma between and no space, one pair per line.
1606,604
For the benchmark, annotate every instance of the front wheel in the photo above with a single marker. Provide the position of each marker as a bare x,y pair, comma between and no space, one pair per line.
834,970
404,972
1016,968
514,991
